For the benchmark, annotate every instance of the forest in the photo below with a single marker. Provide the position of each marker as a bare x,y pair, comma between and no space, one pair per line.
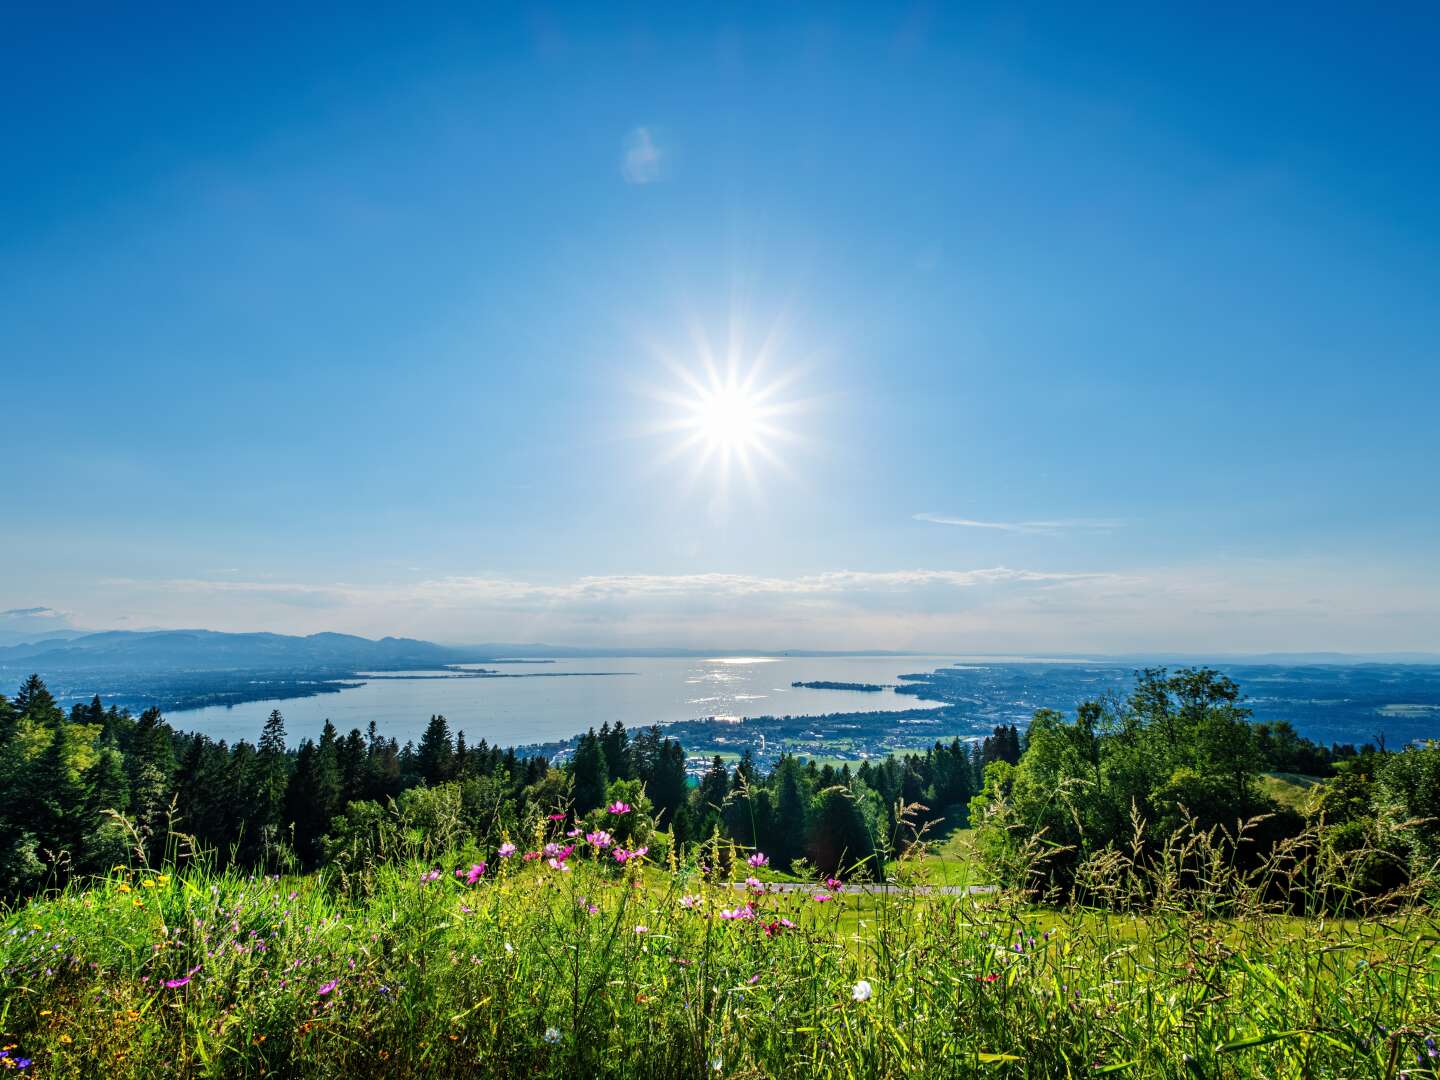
94,786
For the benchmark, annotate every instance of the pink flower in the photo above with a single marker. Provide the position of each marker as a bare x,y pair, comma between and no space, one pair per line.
758,860
328,987
821,897
600,839
429,876
572,833
622,856
689,900
618,807
531,856
475,873
833,883
556,817
176,984
506,850
642,929
746,912
755,883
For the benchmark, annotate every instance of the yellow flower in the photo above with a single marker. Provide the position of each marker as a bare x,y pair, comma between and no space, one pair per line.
164,879
137,902
147,883
46,1012
66,1039
123,887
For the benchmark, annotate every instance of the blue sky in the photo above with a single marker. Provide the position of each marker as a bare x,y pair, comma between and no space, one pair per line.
375,323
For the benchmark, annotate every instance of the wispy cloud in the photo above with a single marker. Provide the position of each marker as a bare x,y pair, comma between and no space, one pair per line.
1057,526
643,161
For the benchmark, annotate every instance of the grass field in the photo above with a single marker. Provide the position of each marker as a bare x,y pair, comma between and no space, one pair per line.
601,971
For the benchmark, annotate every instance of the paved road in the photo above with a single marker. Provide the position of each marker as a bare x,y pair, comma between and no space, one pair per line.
890,890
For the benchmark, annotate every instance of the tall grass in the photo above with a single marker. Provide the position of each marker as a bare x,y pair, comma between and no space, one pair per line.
1176,966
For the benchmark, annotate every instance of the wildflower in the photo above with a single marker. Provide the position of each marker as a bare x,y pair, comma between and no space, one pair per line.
475,873
506,850
572,833
746,912
622,856
689,900
821,898
990,978
122,887
509,949
552,1035
147,884
600,839
833,884
861,991
758,860
642,929
617,808
429,876
530,856
556,817
176,984
329,986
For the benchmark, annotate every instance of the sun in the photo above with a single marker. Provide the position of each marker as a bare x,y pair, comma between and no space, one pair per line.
731,419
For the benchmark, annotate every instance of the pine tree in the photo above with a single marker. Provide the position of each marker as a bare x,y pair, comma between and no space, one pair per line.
591,773
436,756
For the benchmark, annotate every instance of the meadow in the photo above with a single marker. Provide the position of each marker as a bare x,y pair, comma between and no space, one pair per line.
554,963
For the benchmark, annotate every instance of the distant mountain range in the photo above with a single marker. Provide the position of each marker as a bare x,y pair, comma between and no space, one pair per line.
209,650
138,652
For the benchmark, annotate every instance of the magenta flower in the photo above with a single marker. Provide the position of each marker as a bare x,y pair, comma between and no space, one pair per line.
475,873
759,859
622,856
755,883
833,884
556,817
617,807
821,897
506,850
328,987
176,984
600,839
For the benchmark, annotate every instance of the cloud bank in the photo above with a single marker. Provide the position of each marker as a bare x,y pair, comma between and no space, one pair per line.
1236,607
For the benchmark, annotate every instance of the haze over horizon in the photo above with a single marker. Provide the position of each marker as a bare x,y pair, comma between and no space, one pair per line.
919,330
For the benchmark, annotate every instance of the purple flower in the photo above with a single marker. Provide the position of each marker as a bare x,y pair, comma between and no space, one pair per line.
506,850
758,860
599,838
176,984
617,807
328,987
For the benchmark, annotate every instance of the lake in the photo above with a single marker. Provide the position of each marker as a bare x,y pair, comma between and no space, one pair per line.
548,701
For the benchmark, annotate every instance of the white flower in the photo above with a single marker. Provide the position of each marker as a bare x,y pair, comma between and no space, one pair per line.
717,1063
509,948
642,929
552,1035
862,991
